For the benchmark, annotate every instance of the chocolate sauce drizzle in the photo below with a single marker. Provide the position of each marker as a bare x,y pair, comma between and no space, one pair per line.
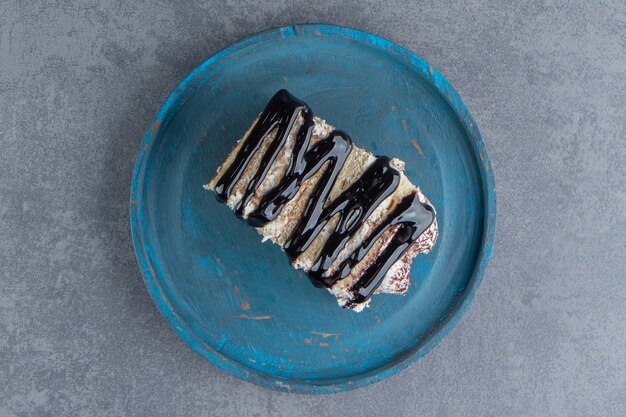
353,206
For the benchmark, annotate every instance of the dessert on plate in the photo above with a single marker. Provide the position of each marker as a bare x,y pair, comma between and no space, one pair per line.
351,220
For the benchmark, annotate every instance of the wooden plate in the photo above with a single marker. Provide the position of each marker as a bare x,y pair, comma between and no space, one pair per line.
237,301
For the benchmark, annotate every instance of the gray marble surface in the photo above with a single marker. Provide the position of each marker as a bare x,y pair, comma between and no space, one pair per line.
79,84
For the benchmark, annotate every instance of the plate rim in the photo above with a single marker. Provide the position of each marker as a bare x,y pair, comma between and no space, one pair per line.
178,97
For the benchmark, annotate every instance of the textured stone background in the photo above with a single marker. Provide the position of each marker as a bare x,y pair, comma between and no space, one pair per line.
79,83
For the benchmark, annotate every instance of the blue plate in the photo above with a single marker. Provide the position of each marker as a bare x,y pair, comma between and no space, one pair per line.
237,301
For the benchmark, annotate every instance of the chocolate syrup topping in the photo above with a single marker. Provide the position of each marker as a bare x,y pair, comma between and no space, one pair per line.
354,205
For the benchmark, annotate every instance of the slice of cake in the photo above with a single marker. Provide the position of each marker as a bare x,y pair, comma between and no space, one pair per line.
351,220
